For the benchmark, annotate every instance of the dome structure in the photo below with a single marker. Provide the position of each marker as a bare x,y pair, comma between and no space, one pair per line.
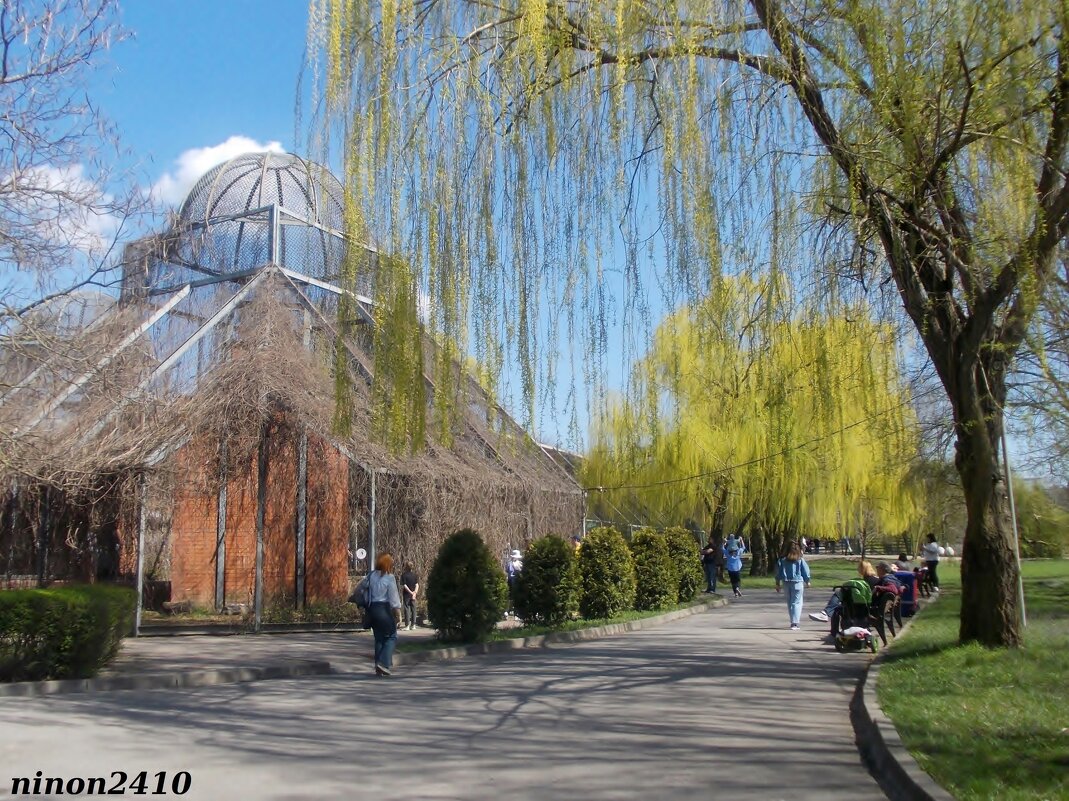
261,208
257,180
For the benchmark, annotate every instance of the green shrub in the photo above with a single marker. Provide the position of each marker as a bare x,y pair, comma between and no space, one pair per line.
466,591
607,573
686,559
657,585
63,632
547,589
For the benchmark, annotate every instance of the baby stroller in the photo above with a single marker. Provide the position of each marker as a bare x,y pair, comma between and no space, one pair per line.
856,619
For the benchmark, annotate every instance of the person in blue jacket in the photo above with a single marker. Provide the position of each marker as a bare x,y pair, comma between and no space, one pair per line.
733,551
792,572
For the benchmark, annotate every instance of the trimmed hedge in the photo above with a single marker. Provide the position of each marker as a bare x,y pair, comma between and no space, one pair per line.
547,589
655,573
466,590
607,573
686,558
63,632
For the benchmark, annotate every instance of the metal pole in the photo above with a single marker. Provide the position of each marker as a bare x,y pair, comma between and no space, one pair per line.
220,532
142,521
1013,520
42,540
302,514
371,525
274,236
261,504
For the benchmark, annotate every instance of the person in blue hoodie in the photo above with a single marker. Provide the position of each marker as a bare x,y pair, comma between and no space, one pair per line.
733,551
792,572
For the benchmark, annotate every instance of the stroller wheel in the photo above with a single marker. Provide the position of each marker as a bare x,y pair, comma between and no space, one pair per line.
873,645
839,645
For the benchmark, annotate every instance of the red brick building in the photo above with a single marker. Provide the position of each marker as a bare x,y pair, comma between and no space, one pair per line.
208,421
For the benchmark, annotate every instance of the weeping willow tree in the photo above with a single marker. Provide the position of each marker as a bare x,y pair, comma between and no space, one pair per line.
559,171
746,411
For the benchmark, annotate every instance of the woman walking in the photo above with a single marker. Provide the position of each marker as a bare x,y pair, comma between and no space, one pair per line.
385,612
793,572
932,551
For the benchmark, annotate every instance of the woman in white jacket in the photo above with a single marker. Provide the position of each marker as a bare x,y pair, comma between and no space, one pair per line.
931,552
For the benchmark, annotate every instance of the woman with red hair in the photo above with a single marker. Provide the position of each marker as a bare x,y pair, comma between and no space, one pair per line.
384,611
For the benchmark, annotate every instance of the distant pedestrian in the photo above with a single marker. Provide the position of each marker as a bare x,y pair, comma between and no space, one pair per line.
792,572
409,593
931,552
513,566
733,551
711,561
384,611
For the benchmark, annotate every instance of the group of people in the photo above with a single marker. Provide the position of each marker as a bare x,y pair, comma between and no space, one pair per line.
793,574
720,555
385,605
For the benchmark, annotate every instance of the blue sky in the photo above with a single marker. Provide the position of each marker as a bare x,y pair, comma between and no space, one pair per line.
200,81
197,73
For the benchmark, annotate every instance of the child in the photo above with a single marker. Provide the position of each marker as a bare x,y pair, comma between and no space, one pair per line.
793,572
733,551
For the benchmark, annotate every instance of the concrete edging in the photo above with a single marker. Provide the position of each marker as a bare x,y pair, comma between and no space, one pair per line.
542,640
894,768
164,681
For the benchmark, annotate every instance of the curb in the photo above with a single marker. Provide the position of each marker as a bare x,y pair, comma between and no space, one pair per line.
893,767
542,640
164,681
224,630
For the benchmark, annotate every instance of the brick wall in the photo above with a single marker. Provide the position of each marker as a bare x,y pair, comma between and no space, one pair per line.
193,531
327,545
193,522
240,571
280,520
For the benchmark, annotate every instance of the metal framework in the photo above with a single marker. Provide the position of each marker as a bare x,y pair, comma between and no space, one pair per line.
253,218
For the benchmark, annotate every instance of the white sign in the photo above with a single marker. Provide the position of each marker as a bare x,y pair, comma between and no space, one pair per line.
361,553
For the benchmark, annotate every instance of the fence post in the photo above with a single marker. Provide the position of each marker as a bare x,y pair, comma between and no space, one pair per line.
261,503
142,519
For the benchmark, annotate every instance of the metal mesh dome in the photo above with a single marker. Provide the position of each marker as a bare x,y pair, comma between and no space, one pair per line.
255,180
261,208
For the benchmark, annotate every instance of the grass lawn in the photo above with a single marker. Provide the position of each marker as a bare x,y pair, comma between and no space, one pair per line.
534,631
987,724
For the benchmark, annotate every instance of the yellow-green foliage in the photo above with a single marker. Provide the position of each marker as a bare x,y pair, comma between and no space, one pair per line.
802,417
554,170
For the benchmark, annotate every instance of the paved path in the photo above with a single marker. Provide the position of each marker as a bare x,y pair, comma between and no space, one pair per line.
723,705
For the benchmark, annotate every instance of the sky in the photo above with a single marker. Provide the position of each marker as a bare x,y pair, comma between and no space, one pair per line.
201,81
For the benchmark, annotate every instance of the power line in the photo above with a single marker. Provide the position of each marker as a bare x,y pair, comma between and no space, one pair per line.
765,458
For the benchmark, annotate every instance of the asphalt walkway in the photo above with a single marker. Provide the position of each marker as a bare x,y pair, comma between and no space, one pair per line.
728,704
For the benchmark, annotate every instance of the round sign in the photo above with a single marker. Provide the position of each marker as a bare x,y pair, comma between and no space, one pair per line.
361,553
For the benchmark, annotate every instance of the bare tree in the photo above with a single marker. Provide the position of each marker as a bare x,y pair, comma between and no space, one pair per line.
62,207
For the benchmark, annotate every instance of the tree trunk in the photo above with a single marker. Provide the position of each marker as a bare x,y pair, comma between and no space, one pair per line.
989,613
758,557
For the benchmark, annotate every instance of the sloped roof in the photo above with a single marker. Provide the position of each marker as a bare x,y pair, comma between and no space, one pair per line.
219,358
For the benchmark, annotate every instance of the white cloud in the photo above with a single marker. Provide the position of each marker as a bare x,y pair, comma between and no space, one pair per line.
61,208
173,186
